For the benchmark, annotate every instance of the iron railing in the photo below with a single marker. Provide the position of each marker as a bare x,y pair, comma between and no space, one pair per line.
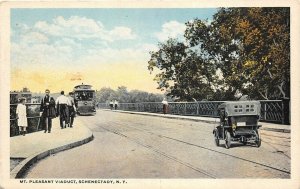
33,118
277,111
271,110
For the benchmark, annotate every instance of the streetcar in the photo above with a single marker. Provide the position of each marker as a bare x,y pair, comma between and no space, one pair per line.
238,122
84,97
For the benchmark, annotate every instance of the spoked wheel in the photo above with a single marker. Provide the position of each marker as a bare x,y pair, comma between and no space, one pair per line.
258,140
227,140
217,140
258,143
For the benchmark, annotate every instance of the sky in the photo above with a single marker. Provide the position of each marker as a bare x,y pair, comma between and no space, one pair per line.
60,48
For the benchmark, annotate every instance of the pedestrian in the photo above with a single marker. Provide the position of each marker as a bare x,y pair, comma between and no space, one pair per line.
116,104
62,103
22,117
47,111
165,105
111,104
72,109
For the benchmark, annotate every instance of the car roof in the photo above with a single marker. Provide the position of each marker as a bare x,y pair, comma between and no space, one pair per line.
239,108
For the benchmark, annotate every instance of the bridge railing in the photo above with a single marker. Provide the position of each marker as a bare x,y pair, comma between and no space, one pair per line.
271,110
33,118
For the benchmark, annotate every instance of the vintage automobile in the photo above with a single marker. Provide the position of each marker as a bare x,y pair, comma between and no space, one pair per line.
238,122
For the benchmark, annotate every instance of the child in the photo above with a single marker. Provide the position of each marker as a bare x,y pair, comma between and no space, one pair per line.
21,116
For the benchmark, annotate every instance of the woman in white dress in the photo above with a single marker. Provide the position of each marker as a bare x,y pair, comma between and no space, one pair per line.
22,116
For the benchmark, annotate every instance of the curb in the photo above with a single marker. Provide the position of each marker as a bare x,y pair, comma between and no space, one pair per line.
169,116
191,119
22,167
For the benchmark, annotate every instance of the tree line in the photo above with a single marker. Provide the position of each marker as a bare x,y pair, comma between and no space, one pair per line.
122,95
242,51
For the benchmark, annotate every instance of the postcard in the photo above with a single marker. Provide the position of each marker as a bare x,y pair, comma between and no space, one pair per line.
154,94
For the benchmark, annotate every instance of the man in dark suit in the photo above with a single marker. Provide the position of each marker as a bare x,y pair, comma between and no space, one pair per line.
47,110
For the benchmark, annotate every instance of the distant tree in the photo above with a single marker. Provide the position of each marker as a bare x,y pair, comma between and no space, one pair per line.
155,97
122,95
141,96
138,96
105,94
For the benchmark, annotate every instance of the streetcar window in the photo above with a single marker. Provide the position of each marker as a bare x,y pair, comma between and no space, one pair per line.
84,95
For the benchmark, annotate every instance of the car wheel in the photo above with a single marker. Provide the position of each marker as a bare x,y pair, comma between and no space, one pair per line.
258,140
217,140
227,140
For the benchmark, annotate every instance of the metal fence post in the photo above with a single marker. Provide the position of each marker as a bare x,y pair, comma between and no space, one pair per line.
282,112
285,111
265,111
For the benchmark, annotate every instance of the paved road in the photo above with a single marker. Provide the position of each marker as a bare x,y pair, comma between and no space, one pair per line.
136,146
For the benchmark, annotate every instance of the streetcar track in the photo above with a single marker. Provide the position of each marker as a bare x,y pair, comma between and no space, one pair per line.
276,136
261,164
209,149
275,143
184,142
162,153
282,140
276,149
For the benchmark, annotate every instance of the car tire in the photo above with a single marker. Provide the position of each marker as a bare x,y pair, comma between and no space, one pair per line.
227,139
217,141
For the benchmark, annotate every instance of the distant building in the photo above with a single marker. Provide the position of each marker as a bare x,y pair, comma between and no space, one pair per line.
16,95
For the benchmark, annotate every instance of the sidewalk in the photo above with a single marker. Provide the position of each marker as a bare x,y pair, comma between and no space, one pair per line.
35,146
265,126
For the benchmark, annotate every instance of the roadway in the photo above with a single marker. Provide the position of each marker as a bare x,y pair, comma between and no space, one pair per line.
137,146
